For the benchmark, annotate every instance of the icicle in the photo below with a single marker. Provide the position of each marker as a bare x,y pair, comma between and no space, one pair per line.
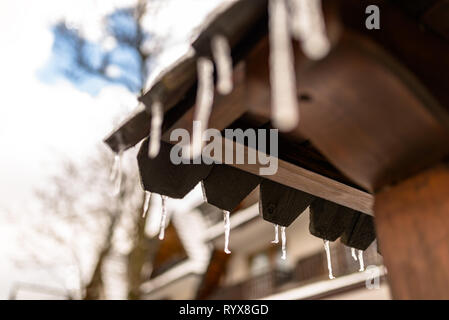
361,263
114,169
284,244
146,203
354,256
203,189
328,256
204,100
116,173
155,134
276,234
223,60
284,103
227,226
307,25
163,218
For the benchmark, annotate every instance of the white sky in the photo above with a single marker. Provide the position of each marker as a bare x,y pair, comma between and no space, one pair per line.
40,123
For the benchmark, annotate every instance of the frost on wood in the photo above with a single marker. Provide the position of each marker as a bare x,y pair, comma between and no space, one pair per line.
204,100
307,25
223,61
155,133
163,218
276,234
146,203
227,227
284,103
284,244
328,256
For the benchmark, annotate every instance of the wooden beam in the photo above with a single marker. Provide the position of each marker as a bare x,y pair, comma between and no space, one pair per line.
412,42
302,179
241,22
400,129
370,116
228,109
367,114
377,119
311,182
412,221
135,128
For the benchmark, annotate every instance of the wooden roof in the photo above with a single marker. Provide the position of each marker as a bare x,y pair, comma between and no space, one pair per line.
373,112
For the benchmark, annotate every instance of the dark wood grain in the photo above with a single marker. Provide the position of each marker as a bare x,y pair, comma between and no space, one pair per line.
437,18
424,52
329,220
369,116
412,220
372,118
226,186
360,232
280,204
161,176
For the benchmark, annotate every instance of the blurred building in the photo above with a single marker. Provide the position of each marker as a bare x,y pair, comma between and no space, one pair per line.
191,263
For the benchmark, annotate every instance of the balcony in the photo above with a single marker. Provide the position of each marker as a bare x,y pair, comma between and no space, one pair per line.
254,288
306,271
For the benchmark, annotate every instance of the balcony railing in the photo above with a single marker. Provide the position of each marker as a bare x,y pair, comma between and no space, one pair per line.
254,288
314,267
307,270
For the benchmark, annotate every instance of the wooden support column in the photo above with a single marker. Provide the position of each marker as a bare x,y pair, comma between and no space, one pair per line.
412,220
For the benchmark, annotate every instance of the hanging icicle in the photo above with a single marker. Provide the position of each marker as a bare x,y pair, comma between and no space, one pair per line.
163,218
276,234
328,256
204,100
223,61
203,190
116,173
227,228
146,203
284,103
114,168
361,262
284,244
157,115
353,254
307,25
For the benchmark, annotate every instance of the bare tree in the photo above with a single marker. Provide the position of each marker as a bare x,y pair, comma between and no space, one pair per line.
38,288
79,205
79,218
121,57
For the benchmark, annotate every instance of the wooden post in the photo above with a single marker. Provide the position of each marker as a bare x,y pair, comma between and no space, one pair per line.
412,220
